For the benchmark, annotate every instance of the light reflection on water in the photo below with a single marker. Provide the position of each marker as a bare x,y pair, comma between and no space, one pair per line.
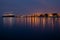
8,20
35,23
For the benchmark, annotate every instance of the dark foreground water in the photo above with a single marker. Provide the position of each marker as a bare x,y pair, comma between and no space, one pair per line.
30,28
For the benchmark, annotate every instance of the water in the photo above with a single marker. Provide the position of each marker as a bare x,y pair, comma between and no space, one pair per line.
29,28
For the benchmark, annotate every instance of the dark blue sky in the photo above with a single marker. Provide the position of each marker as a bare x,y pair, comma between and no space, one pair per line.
29,6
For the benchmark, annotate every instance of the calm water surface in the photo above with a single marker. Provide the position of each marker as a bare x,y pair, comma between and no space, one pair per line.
29,28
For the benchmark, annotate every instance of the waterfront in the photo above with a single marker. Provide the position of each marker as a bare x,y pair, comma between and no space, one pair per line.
32,15
29,28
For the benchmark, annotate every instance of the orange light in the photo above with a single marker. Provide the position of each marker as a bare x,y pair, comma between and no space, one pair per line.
50,15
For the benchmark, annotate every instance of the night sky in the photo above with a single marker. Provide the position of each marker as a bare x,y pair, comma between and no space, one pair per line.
29,6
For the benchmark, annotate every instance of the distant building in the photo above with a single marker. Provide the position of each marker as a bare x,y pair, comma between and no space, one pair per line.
41,15
46,15
8,15
55,14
